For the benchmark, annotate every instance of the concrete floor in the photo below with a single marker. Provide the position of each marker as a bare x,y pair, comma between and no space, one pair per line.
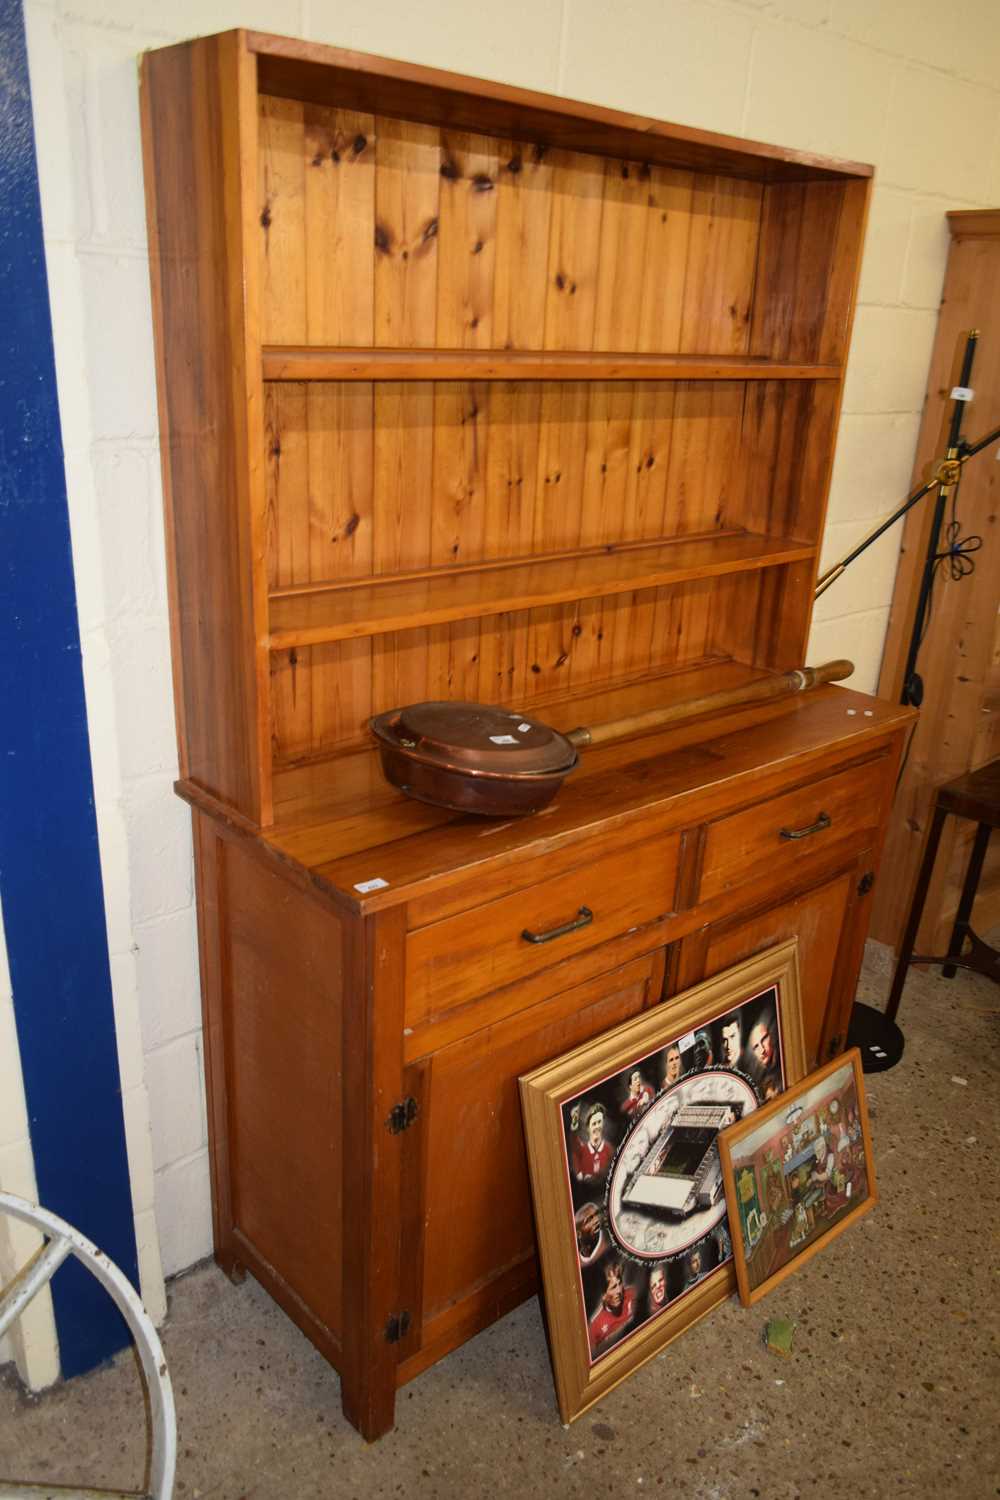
891,1389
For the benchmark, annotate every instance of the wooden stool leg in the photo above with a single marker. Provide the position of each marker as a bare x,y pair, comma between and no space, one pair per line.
916,912
972,874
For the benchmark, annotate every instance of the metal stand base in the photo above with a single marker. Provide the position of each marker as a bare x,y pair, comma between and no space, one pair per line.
880,1040
64,1241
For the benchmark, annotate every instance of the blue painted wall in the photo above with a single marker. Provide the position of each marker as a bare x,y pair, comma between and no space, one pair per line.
50,875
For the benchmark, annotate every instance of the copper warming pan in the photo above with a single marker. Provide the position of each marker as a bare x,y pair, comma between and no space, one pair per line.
474,758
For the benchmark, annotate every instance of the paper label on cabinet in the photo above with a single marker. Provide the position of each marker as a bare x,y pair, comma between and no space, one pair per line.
961,393
364,886
503,739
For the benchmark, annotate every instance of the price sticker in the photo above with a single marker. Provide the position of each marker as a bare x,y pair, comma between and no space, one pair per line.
962,393
364,886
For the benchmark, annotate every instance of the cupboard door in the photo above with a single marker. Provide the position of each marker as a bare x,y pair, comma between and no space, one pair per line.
829,921
468,1233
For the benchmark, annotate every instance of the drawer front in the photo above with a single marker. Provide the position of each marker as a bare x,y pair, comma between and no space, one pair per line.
453,961
777,834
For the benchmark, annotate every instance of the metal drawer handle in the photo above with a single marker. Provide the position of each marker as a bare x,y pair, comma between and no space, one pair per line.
583,918
803,833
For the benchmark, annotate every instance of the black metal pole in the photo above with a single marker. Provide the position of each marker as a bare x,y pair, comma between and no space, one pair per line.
969,450
966,451
834,573
913,687
876,1034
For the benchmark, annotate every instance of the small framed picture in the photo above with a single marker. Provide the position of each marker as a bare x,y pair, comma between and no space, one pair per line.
629,1201
797,1174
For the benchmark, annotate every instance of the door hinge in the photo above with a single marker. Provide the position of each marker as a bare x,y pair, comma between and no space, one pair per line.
397,1327
866,882
402,1116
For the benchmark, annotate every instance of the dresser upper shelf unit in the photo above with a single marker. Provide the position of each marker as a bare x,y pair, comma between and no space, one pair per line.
474,392
305,362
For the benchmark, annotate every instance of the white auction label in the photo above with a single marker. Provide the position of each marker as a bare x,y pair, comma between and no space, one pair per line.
503,739
364,886
962,393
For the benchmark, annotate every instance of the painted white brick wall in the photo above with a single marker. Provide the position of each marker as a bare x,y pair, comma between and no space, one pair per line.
914,88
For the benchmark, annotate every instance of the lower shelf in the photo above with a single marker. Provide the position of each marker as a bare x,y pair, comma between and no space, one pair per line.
351,781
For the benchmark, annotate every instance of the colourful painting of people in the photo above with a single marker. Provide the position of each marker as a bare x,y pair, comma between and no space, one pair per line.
808,1169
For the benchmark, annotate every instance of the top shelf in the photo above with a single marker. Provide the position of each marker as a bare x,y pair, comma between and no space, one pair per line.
322,74
301,362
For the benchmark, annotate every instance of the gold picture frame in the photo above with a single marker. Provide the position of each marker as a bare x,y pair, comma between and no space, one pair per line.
787,1199
639,1189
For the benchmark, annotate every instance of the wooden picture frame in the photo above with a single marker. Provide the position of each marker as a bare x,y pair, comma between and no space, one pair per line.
787,1199
662,1086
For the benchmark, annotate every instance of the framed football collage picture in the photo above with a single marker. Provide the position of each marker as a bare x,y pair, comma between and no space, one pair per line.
627,1182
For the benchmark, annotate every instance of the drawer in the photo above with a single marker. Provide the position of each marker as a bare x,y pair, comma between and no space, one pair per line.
454,960
775,835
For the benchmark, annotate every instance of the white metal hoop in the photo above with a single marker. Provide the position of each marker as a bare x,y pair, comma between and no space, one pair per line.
63,1241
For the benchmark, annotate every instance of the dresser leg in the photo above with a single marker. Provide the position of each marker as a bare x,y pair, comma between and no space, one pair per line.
372,1154
230,1266
369,1403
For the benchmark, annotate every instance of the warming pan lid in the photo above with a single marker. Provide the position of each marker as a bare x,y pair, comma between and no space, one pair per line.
476,738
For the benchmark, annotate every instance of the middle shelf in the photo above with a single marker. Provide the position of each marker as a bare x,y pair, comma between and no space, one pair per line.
302,362
350,609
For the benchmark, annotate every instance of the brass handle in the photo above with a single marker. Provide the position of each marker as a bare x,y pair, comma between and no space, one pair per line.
803,833
796,681
583,918
830,671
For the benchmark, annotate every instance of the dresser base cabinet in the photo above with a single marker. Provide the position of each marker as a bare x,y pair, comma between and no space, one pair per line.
368,1161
